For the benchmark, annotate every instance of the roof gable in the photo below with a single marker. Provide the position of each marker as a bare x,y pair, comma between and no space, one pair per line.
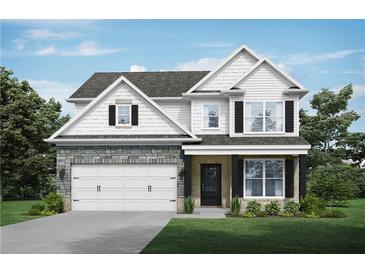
93,117
228,72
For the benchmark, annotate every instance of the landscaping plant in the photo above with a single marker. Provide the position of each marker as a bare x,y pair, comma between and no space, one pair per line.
189,204
311,206
54,202
46,212
272,208
332,213
253,207
36,209
291,209
236,206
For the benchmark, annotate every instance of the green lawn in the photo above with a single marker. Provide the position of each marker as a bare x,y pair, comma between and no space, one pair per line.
265,235
16,211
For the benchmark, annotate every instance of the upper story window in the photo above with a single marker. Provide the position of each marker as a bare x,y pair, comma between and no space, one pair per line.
264,117
211,116
123,115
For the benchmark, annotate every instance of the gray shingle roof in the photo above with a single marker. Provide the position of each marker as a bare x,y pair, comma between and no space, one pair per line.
226,140
154,84
121,136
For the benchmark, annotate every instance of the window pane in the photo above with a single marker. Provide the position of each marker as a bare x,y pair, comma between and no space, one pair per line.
274,109
274,169
253,187
123,109
274,187
123,119
254,124
254,109
254,169
273,124
213,121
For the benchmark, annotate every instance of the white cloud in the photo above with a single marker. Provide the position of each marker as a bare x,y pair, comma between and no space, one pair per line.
214,45
137,68
359,91
308,58
56,89
201,64
46,51
86,48
19,43
45,34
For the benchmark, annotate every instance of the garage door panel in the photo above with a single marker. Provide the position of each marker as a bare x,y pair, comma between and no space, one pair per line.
114,183
137,183
86,194
162,205
111,171
163,183
85,205
163,194
85,171
162,171
111,194
111,205
136,205
131,194
136,170
83,183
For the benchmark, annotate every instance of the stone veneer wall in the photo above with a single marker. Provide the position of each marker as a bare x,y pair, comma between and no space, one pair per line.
66,156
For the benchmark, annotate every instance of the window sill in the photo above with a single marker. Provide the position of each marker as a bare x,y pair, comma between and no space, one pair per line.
263,198
211,128
123,127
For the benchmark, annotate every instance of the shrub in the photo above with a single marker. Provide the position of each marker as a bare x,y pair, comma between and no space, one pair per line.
36,209
332,213
334,183
236,206
189,204
272,208
253,207
261,213
291,209
249,215
312,205
46,212
311,215
54,202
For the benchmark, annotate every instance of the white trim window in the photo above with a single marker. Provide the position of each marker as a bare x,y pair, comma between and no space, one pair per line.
264,178
211,116
124,117
264,117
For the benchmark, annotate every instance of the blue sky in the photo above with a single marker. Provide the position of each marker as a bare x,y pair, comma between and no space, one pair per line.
57,56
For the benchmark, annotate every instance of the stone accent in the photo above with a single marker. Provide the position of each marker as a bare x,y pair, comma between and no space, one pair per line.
67,156
225,161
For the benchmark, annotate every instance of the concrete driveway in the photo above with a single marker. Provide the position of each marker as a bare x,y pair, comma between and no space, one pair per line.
84,232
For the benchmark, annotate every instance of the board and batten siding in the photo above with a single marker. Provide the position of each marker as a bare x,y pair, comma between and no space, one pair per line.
179,111
230,73
197,116
150,121
264,85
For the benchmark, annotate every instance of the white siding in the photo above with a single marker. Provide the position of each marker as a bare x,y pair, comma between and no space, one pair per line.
80,106
150,120
230,73
180,111
197,116
265,85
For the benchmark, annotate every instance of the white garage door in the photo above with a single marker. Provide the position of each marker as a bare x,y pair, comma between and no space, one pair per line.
129,187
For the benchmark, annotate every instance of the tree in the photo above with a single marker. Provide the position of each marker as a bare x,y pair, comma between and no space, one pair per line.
27,162
327,129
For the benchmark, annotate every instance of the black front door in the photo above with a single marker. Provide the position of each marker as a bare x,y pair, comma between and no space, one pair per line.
211,184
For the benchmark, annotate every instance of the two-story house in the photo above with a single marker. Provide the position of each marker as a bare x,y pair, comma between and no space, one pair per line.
143,141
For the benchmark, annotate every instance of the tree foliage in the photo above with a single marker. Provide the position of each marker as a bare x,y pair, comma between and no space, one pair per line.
27,162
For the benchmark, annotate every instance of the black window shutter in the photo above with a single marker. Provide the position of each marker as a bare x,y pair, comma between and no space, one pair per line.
238,116
134,115
111,115
302,175
289,116
240,178
289,178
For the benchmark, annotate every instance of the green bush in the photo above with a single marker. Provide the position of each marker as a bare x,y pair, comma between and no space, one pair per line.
312,205
47,212
291,209
261,213
54,202
335,183
36,209
253,207
312,215
249,215
332,213
236,206
189,204
272,208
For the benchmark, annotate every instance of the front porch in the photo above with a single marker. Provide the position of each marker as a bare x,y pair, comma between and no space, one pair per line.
212,180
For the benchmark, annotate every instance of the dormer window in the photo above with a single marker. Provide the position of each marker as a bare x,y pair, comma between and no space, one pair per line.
211,116
123,115
264,117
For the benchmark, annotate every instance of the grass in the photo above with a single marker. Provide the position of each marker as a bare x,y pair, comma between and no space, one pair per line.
16,211
265,235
